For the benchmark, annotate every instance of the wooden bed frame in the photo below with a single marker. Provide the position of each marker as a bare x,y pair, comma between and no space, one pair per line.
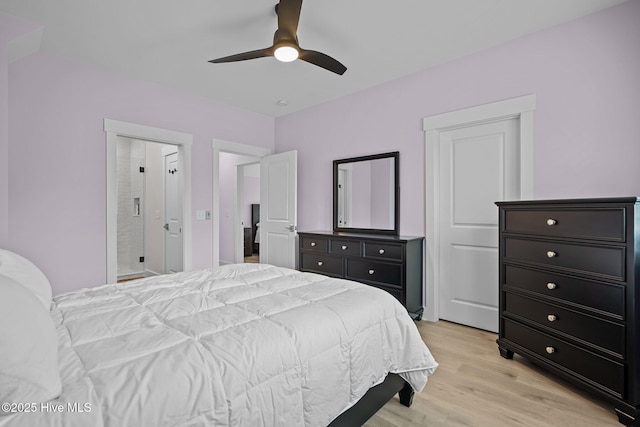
375,399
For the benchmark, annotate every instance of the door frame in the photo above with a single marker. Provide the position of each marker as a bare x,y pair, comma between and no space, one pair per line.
222,146
115,129
522,108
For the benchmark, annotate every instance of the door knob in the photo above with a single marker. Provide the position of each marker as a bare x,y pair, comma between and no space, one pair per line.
166,227
291,227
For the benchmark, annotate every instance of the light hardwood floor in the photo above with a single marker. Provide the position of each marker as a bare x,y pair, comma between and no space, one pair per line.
474,386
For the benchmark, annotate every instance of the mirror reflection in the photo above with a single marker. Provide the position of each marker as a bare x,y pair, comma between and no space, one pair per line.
365,193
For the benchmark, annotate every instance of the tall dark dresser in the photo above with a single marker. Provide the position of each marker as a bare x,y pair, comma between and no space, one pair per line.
569,297
392,263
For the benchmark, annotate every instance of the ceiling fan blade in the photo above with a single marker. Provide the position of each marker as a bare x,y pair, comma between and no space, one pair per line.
289,16
260,53
322,60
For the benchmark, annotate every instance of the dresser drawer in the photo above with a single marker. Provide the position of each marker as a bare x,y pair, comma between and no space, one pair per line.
603,297
371,271
607,261
345,247
314,243
604,224
383,251
607,335
599,371
323,264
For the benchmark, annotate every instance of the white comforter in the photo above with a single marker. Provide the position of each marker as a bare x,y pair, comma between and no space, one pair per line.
242,345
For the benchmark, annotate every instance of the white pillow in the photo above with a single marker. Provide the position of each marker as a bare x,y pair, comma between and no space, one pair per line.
27,274
28,347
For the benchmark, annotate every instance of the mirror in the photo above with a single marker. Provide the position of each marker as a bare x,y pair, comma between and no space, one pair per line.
366,196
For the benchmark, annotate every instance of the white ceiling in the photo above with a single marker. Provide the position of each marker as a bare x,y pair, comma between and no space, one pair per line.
170,41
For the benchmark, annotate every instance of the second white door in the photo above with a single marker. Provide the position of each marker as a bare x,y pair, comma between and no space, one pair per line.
278,209
173,214
479,165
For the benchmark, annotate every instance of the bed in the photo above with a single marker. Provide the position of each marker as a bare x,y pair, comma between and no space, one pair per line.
240,345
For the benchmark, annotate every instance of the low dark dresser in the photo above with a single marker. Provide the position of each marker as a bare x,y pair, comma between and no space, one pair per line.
392,263
569,298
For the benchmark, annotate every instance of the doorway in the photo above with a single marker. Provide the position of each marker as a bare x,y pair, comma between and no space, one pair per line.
278,203
149,224
219,215
180,143
238,191
492,146
247,249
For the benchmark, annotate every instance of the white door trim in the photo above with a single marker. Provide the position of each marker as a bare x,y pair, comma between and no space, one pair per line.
115,129
521,107
222,146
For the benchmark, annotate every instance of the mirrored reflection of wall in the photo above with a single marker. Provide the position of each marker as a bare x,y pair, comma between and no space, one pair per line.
371,188
382,193
360,194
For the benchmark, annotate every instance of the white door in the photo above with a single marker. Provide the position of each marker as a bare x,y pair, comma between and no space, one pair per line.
278,209
173,214
479,165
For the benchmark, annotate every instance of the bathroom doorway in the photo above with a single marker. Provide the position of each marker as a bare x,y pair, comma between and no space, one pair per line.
149,222
166,142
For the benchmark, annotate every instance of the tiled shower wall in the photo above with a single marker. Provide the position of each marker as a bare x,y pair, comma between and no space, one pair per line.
131,156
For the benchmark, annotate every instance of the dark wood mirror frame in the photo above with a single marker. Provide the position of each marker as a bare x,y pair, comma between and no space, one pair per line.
395,156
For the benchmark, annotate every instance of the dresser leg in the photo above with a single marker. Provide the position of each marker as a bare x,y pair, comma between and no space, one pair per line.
631,420
406,395
507,354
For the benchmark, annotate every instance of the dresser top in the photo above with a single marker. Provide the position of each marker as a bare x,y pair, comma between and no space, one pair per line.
386,237
572,201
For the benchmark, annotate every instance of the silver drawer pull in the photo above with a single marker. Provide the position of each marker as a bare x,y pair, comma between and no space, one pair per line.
551,286
550,350
552,318
344,247
551,221
381,251
313,244
552,254
372,271
320,263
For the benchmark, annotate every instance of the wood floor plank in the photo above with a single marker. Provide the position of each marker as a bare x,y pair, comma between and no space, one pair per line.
475,387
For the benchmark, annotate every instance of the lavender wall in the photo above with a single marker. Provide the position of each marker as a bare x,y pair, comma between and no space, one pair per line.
57,197
4,146
11,28
584,73
587,133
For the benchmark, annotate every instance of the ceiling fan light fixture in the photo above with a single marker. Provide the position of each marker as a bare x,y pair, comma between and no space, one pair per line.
286,53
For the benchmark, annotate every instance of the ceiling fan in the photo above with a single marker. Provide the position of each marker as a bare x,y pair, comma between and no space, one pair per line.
285,42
